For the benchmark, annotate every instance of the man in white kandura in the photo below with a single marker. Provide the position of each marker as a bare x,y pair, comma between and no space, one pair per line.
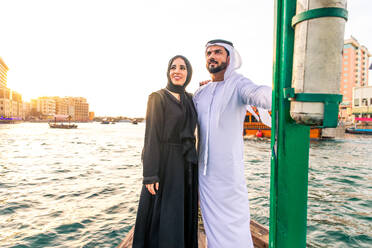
221,106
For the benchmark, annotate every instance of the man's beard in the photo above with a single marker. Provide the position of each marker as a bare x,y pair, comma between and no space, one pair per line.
219,68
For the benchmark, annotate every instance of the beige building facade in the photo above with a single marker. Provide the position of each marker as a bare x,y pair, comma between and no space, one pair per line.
355,64
3,73
81,108
26,110
62,106
47,107
11,105
4,91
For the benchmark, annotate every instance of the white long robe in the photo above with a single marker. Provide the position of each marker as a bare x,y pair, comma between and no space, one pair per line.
222,186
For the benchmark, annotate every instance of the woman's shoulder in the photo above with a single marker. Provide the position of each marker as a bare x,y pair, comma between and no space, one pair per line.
157,97
188,94
157,94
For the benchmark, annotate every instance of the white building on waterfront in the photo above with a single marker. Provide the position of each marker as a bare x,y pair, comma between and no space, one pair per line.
362,101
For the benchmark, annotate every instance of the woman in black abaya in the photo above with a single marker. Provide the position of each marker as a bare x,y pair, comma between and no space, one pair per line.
168,206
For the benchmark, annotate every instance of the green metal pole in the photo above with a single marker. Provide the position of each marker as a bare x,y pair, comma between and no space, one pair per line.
289,144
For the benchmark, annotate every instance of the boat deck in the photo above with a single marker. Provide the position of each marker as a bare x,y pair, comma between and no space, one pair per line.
260,235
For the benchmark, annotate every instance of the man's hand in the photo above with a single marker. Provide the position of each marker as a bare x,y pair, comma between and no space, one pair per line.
151,188
204,82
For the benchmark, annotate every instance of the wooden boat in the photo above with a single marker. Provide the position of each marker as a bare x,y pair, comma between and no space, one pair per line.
61,125
105,122
135,122
252,127
260,236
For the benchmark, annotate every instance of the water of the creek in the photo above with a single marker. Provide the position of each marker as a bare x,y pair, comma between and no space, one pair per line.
80,188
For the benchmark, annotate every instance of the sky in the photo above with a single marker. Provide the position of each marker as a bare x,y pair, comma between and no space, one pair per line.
115,52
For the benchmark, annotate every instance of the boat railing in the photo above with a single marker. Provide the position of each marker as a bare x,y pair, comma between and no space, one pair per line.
256,125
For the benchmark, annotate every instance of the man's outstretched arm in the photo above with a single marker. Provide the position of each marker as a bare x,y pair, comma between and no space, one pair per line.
255,95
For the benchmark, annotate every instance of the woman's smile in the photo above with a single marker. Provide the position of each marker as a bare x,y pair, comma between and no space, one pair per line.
177,77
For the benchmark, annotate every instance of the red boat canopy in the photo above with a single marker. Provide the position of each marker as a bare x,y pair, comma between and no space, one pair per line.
61,117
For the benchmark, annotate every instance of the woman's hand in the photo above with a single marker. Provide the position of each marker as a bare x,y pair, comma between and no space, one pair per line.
204,82
151,188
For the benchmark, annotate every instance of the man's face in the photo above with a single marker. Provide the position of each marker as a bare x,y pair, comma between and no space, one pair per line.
217,59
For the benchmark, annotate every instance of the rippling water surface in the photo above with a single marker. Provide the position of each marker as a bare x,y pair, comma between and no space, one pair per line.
80,188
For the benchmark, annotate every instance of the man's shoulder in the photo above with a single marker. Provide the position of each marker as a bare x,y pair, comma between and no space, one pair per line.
242,80
200,90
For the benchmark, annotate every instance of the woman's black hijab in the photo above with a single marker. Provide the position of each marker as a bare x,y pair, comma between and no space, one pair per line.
180,89
188,131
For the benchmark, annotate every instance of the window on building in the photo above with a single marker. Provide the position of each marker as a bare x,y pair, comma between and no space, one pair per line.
345,57
370,101
345,86
345,62
356,102
345,68
364,102
345,80
345,91
345,74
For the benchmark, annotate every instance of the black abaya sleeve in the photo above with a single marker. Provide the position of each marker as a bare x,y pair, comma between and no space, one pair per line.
153,133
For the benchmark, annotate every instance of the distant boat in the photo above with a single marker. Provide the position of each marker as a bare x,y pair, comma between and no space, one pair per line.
11,120
353,130
135,122
105,122
62,125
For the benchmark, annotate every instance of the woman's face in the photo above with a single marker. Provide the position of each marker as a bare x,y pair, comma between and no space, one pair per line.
178,72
